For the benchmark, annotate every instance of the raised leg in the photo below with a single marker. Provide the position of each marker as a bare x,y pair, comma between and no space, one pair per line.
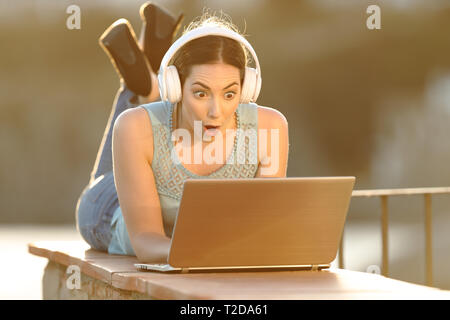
124,99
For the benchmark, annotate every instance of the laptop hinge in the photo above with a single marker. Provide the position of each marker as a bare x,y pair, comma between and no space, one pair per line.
315,267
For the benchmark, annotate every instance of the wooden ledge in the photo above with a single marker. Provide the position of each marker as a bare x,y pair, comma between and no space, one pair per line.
96,264
119,273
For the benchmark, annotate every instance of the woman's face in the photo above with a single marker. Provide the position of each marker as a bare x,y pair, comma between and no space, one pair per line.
211,94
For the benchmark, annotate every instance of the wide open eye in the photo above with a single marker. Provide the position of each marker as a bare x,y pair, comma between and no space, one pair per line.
230,95
200,94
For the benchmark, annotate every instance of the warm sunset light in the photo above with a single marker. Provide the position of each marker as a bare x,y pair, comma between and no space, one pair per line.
225,150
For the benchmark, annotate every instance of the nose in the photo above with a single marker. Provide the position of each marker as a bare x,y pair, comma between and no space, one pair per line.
214,110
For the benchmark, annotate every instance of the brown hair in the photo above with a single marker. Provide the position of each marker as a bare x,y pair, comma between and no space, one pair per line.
210,49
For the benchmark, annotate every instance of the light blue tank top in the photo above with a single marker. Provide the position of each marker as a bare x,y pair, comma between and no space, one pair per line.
170,175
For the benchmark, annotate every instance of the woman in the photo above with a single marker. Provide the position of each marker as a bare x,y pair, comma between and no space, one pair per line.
152,161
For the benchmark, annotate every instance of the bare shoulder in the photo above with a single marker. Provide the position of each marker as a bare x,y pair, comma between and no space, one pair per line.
132,119
273,143
133,126
270,118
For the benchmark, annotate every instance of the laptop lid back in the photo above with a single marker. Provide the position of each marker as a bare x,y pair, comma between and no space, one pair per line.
260,221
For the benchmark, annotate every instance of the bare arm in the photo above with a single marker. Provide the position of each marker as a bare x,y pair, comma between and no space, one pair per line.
132,155
273,144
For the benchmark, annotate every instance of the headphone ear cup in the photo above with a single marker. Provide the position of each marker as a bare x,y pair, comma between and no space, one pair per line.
249,86
258,87
173,85
162,86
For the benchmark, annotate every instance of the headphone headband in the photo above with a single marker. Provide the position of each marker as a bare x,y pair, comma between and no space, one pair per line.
198,33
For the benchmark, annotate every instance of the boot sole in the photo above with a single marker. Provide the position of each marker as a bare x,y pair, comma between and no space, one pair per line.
119,43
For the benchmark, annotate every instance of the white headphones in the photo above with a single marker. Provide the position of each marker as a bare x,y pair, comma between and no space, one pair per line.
169,79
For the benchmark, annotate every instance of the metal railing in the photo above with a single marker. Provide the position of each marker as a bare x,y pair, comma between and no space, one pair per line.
383,194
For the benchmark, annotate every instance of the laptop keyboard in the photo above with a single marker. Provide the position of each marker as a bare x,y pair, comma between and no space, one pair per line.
155,266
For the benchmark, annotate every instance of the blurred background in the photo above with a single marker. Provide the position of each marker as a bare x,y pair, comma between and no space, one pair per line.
374,104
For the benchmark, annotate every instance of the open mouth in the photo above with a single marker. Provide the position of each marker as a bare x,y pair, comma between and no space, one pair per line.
211,127
211,130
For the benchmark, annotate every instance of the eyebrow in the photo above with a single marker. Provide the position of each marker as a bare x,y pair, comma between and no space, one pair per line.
206,87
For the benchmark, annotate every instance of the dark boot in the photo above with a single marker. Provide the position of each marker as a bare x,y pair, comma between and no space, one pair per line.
119,42
158,30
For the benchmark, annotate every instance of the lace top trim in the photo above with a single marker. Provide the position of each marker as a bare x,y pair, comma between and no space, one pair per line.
170,176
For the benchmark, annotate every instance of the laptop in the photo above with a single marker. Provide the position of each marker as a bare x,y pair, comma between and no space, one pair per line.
257,224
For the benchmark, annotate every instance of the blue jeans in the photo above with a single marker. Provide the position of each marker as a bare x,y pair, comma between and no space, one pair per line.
98,200
95,208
